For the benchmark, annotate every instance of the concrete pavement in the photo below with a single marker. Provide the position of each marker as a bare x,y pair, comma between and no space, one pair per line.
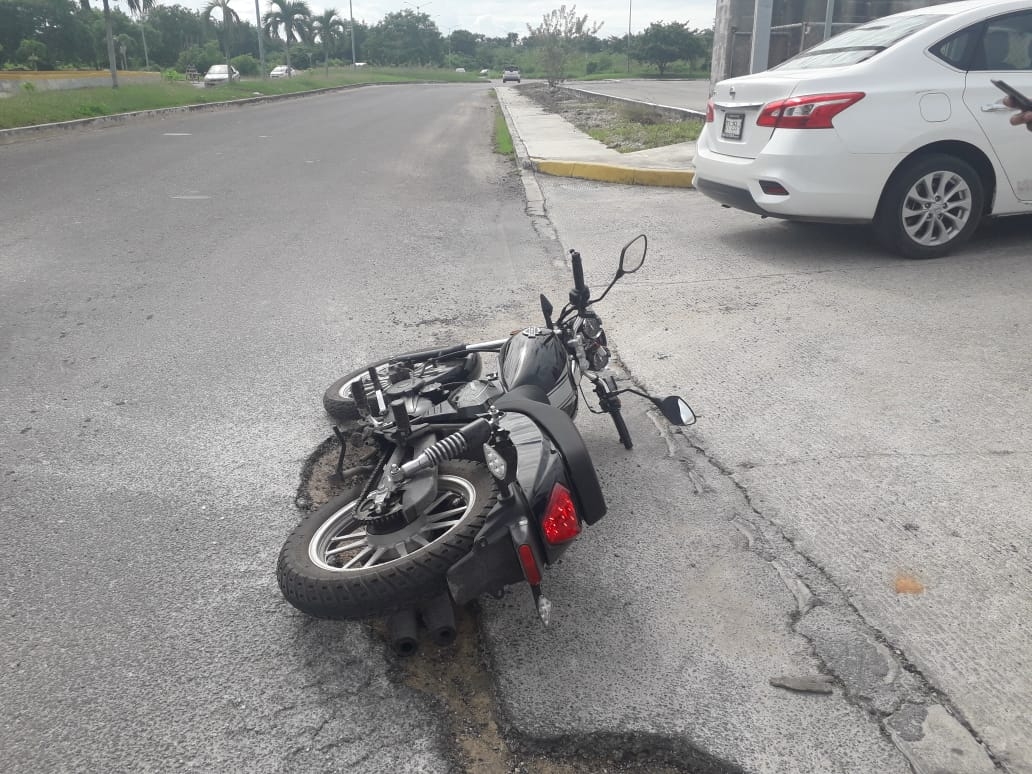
548,143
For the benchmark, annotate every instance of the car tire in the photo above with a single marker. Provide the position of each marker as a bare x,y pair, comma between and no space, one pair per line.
931,205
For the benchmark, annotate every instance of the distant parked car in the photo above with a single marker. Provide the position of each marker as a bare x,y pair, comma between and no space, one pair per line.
220,74
511,74
282,71
460,69
485,72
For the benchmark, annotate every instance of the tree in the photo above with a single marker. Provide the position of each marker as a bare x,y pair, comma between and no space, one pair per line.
328,27
661,44
228,17
143,36
405,37
557,34
289,15
31,52
136,6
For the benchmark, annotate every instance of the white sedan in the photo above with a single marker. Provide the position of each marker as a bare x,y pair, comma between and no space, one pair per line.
895,122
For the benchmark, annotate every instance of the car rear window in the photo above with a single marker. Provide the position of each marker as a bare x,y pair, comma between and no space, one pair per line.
859,43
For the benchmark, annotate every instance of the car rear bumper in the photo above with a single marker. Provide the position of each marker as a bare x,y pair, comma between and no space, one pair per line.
823,181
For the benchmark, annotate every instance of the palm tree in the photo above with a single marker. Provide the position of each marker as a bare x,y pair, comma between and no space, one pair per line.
328,27
228,15
135,6
292,16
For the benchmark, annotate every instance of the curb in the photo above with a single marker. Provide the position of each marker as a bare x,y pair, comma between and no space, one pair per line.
676,112
610,173
586,170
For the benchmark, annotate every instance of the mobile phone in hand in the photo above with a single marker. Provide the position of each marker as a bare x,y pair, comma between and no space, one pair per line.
1023,102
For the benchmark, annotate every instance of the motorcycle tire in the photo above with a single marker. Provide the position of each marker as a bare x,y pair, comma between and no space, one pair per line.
331,567
341,406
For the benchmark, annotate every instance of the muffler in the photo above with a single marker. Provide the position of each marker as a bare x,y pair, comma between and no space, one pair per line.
439,619
401,632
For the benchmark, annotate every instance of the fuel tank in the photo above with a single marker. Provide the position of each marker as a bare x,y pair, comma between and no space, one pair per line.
535,356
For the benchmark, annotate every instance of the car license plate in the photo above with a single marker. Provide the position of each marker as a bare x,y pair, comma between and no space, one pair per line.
732,126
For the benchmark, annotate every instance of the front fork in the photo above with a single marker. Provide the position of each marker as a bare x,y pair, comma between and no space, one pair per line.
609,401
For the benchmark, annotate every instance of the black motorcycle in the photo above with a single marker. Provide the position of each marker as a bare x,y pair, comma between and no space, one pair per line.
470,482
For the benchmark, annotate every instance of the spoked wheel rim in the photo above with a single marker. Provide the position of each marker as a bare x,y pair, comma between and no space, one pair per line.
342,544
429,371
937,208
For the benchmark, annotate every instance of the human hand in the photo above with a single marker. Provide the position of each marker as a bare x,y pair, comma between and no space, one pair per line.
1018,119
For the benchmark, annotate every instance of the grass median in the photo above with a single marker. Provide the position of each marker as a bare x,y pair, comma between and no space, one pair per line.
40,106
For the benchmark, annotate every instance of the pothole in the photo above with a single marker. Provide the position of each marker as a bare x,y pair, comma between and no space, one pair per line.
459,678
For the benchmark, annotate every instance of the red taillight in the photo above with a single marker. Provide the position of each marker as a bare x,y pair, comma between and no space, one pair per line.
811,112
709,112
530,569
561,522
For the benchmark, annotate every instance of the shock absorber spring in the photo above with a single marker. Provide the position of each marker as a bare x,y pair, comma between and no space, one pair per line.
447,448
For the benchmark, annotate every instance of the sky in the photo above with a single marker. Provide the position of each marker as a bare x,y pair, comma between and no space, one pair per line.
496,18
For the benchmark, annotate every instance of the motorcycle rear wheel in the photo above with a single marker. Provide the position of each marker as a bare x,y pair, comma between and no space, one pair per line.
341,406
331,567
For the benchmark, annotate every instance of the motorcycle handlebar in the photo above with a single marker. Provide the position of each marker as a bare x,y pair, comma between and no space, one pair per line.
578,270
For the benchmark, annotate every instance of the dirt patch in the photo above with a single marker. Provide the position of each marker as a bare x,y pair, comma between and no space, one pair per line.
458,677
623,127
580,110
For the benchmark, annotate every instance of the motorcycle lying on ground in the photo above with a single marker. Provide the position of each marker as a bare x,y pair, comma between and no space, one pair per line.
470,483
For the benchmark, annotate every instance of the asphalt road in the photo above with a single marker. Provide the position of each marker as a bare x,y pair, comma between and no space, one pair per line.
176,296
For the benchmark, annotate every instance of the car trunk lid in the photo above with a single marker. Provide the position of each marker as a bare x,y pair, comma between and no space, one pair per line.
736,105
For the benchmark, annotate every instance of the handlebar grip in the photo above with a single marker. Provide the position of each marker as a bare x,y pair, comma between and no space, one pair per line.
578,270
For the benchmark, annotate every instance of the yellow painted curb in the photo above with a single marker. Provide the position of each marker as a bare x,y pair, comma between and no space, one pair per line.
610,173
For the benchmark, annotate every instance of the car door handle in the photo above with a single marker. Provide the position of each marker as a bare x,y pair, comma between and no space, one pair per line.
995,107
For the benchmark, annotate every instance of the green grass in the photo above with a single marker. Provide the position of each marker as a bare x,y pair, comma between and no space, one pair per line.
502,138
640,128
29,108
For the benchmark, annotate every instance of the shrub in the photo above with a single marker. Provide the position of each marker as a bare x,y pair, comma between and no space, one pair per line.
245,64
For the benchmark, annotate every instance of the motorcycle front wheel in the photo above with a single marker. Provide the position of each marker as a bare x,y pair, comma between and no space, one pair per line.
331,566
340,405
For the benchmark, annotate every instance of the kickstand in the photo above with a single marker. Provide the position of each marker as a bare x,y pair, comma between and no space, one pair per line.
337,477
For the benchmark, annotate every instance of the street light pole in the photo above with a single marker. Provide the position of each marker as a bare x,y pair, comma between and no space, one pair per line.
351,13
261,43
629,3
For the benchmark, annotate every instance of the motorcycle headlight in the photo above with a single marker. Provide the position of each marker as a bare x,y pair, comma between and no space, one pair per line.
591,327
599,358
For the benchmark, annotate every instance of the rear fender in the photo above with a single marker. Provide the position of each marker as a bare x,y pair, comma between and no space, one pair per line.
560,430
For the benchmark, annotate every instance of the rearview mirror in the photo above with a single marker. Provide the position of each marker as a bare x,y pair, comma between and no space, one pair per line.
633,255
676,410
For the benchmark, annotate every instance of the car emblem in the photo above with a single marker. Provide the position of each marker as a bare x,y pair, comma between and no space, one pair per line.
732,91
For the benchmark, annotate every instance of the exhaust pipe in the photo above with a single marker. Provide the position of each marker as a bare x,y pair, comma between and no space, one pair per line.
401,632
439,619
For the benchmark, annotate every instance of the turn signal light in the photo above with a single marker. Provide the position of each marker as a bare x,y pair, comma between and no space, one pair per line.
811,112
561,522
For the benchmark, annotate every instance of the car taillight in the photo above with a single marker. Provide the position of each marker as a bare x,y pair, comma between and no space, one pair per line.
561,522
811,112
709,112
